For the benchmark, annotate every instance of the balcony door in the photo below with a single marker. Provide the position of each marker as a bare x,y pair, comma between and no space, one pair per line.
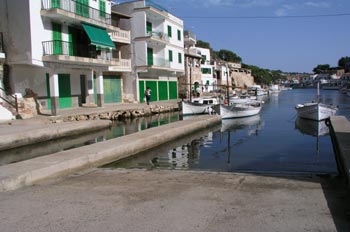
82,8
149,56
55,3
57,38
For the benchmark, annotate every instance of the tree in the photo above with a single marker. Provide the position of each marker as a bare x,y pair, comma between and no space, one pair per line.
322,68
227,55
202,44
344,63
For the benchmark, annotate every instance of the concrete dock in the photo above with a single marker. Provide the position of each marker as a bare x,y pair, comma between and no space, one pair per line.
27,172
340,134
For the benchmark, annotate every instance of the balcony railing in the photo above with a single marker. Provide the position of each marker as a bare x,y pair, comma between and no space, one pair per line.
59,47
159,62
78,9
1,43
120,35
158,35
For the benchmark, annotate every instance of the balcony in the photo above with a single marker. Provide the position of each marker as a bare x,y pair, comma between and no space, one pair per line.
156,36
120,36
66,52
73,12
123,65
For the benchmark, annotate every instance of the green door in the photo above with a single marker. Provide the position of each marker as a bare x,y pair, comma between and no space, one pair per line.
82,8
148,27
57,38
112,89
55,3
149,56
172,90
153,86
142,89
48,91
163,90
65,99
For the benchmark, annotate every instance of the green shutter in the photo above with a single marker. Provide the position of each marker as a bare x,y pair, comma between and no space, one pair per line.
179,35
172,89
170,55
180,58
142,89
48,94
169,31
153,87
148,27
163,90
56,3
57,39
112,89
82,8
64,90
102,8
149,56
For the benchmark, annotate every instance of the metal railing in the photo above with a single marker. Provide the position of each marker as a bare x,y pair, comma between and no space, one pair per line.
160,62
78,9
59,47
1,43
158,35
13,103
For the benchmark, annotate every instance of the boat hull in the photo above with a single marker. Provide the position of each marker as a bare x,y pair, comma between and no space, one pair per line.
189,108
237,111
315,111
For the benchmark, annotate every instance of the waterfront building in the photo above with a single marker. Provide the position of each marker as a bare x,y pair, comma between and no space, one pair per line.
207,68
68,52
157,48
2,60
193,73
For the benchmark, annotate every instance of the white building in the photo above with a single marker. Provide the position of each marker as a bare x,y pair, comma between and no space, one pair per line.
207,68
158,49
61,49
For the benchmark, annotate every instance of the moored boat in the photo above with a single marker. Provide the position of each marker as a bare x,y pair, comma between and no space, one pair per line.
197,106
315,111
238,110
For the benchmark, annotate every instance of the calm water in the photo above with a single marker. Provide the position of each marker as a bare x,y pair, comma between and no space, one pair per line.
273,142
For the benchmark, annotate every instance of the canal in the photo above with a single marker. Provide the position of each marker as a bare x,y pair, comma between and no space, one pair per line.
274,142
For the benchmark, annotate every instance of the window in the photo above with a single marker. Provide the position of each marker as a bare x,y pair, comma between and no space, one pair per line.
179,35
169,31
170,55
206,70
180,58
102,8
148,27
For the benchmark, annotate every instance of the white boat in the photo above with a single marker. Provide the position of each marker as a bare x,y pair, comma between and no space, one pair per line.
256,90
274,89
198,106
239,110
315,110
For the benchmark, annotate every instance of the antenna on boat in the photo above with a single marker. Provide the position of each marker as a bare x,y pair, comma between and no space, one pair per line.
318,91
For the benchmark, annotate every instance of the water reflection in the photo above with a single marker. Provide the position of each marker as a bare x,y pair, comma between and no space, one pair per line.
310,127
119,128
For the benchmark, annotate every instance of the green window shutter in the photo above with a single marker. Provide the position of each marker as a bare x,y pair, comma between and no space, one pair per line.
55,3
149,56
170,55
82,8
57,38
180,58
148,27
169,31
102,8
179,35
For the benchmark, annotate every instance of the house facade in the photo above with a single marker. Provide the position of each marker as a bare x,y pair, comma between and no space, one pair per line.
193,73
207,68
157,48
70,53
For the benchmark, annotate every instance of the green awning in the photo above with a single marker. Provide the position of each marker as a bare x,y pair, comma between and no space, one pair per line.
98,36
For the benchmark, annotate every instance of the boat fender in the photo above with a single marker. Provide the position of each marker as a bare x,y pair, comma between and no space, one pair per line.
327,122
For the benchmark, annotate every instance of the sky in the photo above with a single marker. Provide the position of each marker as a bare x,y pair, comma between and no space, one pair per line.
286,35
